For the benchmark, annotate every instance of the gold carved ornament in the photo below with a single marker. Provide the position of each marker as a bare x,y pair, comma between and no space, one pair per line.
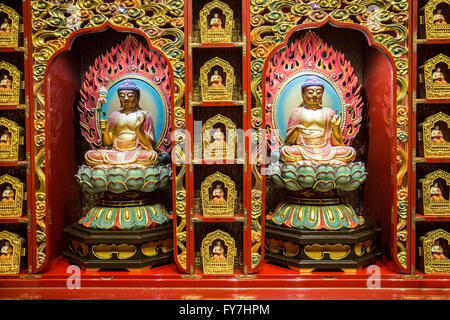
9,151
432,30
208,34
435,207
215,152
222,93
10,260
431,264
218,209
10,208
10,39
435,90
12,95
224,265
387,21
433,149
53,23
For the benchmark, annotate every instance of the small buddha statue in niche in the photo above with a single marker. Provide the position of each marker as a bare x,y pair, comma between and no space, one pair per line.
218,138
438,76
6,251
313,134
5,27
216,80
218,195
8,195
128,133
216,22
438,17
218,251
5,139
437,252
5,83
436,135
436,193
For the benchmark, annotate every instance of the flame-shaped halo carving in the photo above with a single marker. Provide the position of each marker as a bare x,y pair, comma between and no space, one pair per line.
128,60
310,55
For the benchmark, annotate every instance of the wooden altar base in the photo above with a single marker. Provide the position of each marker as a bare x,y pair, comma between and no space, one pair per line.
135,251
309,250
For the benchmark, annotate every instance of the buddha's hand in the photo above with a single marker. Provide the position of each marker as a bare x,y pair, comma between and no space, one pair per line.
140,120
335,120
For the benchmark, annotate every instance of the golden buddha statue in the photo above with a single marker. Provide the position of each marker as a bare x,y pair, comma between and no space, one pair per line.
5,83
128,134
436,135
436,192
313,135
216,80
8,195
438,17
5,139
6,251
438,76
218,195
5,27
218,251
437,251
216,23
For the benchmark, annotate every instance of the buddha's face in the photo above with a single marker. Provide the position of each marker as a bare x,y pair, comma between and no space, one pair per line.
312,95
128,99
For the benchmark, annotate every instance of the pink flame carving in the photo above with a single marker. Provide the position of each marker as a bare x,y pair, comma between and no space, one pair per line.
311,53
128,58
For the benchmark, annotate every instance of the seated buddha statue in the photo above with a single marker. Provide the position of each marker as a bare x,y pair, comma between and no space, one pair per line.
5,83
8,195
216,80
218,251
438,76
313,134
5,139
216,23
437,251
6,251
218,195
128,134
5,27
438,17
436,193
437,135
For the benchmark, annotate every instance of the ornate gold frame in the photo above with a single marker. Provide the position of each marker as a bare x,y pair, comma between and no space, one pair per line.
12,266
12,96
434,91
11,152
12,40
431,265
433,31
434,208
226,152
13,209
225,266
212,209
206,34
217,94
430,149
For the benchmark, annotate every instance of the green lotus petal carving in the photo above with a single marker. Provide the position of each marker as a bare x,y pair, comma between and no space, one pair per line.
119,179
322,178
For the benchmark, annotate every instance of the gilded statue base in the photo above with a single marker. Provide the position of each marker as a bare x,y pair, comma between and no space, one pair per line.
321,249
96,250
312,210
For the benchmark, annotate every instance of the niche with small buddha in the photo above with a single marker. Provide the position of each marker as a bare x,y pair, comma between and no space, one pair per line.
12,196
218,196
217,80
218,252
434,251
9,27
216,22
11,251
10,84
11,138
434,75
434,193
434,19
435,136
219,139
